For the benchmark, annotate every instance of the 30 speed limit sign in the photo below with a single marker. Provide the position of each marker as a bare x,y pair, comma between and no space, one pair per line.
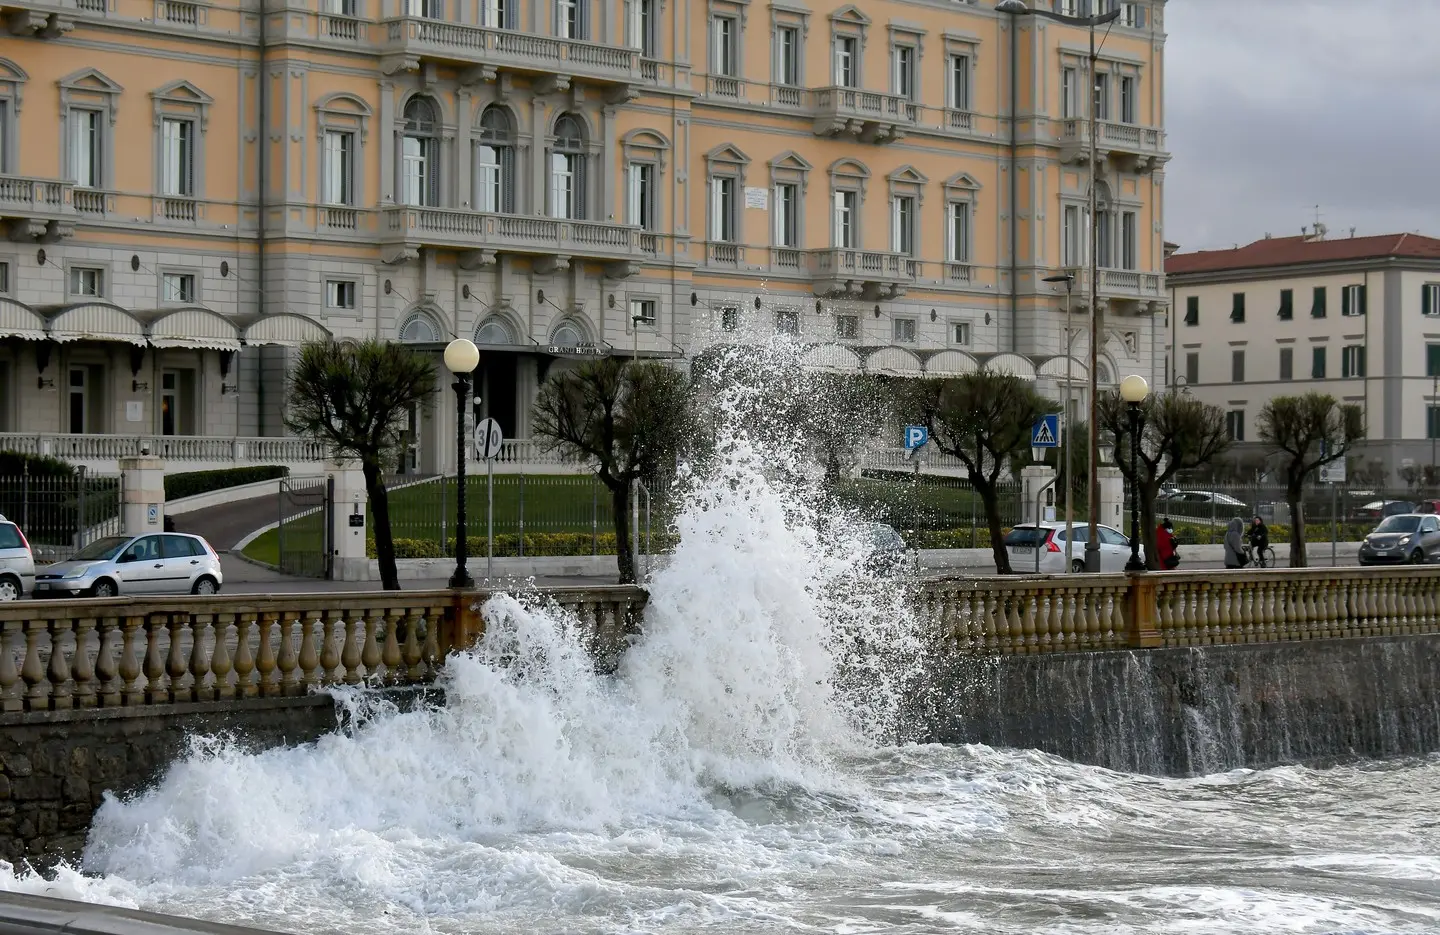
488,439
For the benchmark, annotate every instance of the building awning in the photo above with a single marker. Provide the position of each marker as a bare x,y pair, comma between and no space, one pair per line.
93,321
894,362
1013,364
1054,369
18,320
285,329
831,358
951,364
191,327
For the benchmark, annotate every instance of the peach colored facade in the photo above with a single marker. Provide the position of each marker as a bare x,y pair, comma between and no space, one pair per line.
210,185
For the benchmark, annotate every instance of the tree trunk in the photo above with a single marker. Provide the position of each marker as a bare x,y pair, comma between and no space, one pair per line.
991,501
624,548
380,513
1297,525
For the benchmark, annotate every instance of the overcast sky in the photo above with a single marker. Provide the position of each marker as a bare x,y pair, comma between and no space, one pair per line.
1276,106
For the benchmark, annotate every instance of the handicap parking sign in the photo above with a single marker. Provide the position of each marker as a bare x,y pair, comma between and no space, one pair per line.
916,436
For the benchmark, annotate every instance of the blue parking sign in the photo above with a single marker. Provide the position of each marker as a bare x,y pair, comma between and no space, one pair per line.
916,436
1046,432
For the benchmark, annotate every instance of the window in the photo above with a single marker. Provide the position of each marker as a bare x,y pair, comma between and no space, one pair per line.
642,312
1192,368
729,318
420,154
787,56
1072,232
1317,363
570,19
1129,241
847,67
339,293
177,170
960,333
1235,425
86,148
1069,93
722,209
1132,14
1430,299
177,412
1071,8
1432,360
177,287
904,77
1103,227
958,249
1432,421
960,82
87,281
4,278
1102,96
338,167
1237,366
904,331
787,214
847,327
567,169
787,321
1127,99
430,9
845,232
1352,301
642,195
1317,305
496,14
640,26
726,59
902,225
495,162
1352,361
1192,310
1287,363
1287,304
1237,307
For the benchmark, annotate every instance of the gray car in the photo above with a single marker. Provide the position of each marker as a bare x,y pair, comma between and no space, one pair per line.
1410,538
156,563
17,562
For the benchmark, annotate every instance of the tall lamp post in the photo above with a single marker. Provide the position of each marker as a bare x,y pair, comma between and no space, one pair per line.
461,359
1069,280
1134,389
1018,8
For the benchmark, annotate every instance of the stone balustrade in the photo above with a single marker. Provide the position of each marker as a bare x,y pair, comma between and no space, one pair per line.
1072,613
131,651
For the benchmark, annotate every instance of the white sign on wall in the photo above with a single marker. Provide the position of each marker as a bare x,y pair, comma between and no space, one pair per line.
134,411
757,198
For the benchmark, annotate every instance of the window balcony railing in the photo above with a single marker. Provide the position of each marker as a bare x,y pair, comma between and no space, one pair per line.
869,116
1120,284
177,13
343,219
411,39
864,273
512,233
89,201
41,196
1111,138
726,86
784,95
721,253
177,208
343,28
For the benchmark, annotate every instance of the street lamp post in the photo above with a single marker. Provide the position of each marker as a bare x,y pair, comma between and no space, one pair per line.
461,359
1069,280
1018,8
1134,389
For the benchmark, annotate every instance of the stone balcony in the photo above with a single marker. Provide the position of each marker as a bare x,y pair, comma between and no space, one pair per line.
866,274
478,237
867,116
1133,147
36,209
481,52
1136,291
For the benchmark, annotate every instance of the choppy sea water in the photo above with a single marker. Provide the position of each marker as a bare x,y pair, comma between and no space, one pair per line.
747,770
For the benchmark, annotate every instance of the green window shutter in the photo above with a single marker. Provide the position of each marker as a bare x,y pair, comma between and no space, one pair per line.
1317,363
1344,301
1427,300
1364,293
1432,360
1317,309
1364,360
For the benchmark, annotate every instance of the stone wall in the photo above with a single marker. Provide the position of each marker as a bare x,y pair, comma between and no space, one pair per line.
55,766
1195,710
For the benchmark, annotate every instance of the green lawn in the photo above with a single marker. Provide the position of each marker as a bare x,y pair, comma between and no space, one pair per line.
552,503
931,503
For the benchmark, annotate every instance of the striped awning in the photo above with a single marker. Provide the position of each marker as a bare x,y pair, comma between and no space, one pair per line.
191,327
951,364
94,321
894,362
1055,367
1013,364
18,320
831,358
284,329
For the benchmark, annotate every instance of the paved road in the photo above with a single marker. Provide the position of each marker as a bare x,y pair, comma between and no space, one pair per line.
225,525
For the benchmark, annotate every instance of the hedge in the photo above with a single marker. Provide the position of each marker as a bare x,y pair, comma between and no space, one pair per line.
14,464
194,483
507,545
1193,534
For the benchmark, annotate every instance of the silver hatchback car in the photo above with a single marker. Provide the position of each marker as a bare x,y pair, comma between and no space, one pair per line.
17,562
155,563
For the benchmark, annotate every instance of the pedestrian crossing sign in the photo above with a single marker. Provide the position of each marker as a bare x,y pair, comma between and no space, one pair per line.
1046,433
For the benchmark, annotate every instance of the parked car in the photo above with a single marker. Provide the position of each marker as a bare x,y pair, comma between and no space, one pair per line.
1427,506
1412,538
1379,509
156,563
1048,539
889,554
1202,496
17,562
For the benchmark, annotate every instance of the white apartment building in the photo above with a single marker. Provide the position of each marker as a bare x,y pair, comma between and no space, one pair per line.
1356,317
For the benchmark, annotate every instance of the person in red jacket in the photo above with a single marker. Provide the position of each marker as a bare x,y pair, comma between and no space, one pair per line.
1165,545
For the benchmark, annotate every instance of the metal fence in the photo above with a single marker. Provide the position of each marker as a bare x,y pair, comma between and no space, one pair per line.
304,532
60,514
929,502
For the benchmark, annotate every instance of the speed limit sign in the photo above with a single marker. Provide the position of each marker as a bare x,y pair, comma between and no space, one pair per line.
488,439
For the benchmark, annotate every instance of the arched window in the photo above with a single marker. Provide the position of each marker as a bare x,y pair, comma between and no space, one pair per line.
419,329
567,169
567,334
493,331
495,162
420,154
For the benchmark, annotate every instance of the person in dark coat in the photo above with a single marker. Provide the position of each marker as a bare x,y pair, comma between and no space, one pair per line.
1259,535
1235,543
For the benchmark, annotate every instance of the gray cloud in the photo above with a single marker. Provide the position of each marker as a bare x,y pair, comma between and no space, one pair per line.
1276,106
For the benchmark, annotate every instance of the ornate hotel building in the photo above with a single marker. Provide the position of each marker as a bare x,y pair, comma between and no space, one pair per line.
190,189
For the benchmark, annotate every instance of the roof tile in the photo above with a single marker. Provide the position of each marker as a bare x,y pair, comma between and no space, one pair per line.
1295,251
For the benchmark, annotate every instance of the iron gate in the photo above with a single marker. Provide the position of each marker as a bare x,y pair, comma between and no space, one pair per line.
306,508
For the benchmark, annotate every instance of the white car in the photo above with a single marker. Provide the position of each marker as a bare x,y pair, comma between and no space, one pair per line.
1026,542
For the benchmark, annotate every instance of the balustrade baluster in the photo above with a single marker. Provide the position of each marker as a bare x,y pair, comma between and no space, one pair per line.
1386,608
155,692
410,653
334,625
999,606
37,695
245,663
130,670
200,657
289,661
1041,606
176,665
1225,592
433,660
221,664
309,656
58,672
1405,587
1075,637
12,697
265,657
350,655
985,601
107,668
391,653
371,655
81,669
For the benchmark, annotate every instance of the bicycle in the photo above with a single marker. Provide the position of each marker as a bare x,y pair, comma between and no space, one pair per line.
1264,559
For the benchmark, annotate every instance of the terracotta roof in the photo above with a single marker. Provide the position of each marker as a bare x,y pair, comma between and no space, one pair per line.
1294,251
